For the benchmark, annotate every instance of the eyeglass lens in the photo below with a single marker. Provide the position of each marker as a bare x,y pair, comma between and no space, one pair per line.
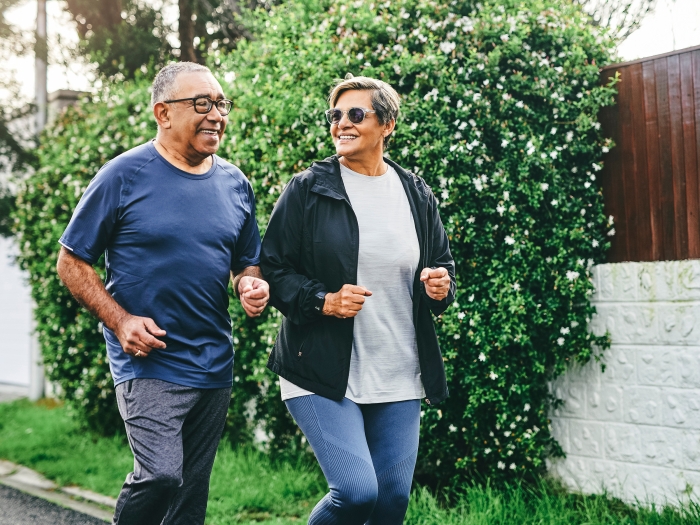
355,115
204,105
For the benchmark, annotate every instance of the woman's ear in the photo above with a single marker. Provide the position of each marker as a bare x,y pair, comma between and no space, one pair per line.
162,115
389,128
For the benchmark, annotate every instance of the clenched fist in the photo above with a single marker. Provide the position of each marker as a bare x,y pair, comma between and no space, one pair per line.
346,302
437,282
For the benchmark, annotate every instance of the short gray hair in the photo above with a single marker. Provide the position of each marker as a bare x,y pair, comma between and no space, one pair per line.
164,84
385,100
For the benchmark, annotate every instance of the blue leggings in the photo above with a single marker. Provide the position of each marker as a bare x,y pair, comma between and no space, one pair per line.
367,453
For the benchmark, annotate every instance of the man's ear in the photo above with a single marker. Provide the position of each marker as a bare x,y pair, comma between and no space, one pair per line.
162,115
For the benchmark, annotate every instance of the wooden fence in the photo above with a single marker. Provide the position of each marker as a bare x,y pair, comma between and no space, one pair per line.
651,178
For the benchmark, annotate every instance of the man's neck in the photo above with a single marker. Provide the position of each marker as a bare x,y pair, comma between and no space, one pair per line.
196,166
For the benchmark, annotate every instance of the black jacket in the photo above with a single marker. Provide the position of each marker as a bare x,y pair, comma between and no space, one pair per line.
312,245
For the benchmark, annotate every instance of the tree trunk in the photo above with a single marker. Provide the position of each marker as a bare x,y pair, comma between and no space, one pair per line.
186,29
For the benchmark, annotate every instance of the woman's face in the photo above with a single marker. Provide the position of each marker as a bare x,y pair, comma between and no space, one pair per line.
358,140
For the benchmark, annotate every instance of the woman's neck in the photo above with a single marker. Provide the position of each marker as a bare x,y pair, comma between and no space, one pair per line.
371,167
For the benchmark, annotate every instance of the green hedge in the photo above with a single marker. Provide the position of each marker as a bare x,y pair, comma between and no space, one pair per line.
499,114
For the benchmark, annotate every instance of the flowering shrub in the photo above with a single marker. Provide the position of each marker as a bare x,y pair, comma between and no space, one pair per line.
499,114
499,106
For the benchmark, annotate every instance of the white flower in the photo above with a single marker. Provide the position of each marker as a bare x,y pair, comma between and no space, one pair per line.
586,184
526,408
487,451
504,143
459,104
506,195
478,184
594,243
507,433
555,202
477,96
461,315
554,131
512,466
519,104
611,220
493,375
471,298
583,212
500,209
471,220
611,232
544,186
453,428
560,341
505,38
414,125
569,136
605,149
580,262
597,167
509,240
501,465
445,194
447,47
516,287
482,357
565,330
360,56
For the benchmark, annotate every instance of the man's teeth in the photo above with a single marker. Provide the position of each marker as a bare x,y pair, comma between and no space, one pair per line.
210,131
347,137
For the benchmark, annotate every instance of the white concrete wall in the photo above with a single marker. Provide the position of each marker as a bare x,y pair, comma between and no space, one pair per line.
15,319
634,430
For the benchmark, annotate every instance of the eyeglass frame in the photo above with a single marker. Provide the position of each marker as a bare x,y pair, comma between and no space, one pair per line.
365,112
212,103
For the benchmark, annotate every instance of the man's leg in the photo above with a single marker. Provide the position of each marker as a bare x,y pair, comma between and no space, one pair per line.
201,433
153,413
392,431
335,431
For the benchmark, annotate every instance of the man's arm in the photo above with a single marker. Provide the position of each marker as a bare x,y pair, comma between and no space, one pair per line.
253,291
136,334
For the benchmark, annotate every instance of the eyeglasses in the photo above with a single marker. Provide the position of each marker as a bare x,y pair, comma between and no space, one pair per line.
355,115
203,105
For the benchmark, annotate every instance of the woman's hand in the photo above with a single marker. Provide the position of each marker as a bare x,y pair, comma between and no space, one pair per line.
437,282
347,302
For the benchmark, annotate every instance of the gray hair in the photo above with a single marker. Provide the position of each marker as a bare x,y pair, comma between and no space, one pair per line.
385,100
164,84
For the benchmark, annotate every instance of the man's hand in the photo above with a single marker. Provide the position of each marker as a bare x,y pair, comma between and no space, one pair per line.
254,293
347,302
437,282
137,335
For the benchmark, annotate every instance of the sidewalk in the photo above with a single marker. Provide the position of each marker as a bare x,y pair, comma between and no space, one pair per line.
11,392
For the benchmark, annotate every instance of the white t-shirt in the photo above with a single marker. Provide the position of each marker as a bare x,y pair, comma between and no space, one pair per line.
384,365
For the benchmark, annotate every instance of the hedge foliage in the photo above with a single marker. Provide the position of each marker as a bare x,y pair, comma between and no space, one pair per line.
499,115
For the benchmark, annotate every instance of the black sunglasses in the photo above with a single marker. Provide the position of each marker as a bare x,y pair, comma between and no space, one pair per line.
355,115
203,105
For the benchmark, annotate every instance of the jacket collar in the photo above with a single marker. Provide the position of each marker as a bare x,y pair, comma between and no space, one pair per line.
329,182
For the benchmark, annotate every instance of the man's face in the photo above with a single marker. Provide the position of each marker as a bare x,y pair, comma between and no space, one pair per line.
195,133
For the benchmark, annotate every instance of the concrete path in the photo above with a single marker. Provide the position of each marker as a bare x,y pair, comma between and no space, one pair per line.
19,508
11,392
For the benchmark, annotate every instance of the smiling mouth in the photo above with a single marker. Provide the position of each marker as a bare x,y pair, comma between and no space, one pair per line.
209,131
347,137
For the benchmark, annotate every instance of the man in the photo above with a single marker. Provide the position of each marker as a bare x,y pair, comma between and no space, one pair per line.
174,220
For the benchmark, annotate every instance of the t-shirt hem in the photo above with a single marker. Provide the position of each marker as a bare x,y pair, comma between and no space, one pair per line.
192,384
383,398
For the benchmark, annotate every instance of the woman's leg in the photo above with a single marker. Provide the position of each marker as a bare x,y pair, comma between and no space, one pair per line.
336,432
392,432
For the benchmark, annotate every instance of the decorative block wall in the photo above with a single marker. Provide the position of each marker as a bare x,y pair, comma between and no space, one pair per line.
634,430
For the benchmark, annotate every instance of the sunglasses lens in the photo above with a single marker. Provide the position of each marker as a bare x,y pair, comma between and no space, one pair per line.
356,115
333,116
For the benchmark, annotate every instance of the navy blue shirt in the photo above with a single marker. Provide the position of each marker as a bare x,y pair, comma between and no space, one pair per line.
170,239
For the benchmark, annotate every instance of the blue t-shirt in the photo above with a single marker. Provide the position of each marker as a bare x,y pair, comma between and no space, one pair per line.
170,239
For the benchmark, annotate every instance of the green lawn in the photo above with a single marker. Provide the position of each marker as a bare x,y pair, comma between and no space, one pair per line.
247,488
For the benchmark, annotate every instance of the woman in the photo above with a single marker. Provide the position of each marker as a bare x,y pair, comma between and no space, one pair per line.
357,258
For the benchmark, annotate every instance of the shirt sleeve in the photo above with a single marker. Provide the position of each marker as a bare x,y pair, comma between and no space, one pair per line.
247,249
90,229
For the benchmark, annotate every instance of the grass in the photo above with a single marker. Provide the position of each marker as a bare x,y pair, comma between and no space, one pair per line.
248,488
